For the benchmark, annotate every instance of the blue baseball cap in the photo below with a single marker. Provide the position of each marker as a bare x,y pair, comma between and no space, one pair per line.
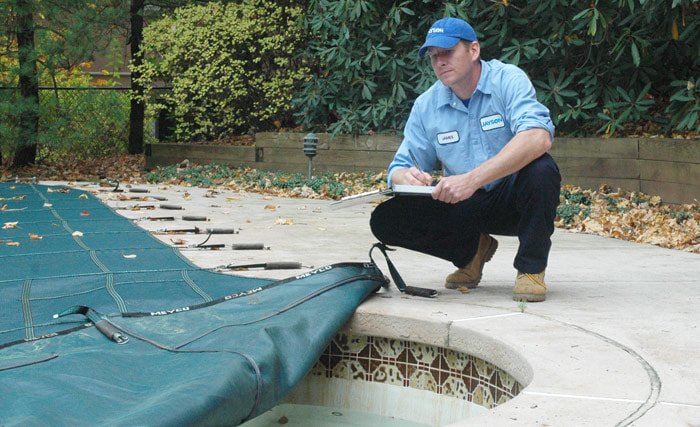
446,33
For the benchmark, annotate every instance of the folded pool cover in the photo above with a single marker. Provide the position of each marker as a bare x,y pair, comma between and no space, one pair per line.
102,324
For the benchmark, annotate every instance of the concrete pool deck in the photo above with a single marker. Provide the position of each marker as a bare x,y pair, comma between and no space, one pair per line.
616,342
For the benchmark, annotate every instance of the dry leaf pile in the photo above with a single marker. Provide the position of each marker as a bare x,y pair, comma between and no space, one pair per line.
124,168
630,216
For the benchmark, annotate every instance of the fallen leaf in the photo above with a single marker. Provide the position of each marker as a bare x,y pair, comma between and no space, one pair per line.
12,243
270,207
58,190
33,236
9,225
284,221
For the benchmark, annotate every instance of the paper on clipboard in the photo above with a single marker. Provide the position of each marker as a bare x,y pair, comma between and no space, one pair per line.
366,197
381,195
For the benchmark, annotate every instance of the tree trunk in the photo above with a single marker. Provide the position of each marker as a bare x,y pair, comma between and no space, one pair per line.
25,152
136,113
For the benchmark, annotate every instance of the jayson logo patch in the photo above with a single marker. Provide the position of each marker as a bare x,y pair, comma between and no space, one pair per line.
492,122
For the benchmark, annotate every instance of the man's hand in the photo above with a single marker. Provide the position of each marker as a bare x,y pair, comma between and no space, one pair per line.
455,188
411,176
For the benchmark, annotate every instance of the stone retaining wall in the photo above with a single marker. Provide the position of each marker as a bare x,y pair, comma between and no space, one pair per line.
669,168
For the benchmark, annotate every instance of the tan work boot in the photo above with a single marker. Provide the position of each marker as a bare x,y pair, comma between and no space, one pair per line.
470,275
529,287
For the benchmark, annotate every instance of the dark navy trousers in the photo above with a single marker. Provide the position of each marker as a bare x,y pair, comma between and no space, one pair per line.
523,204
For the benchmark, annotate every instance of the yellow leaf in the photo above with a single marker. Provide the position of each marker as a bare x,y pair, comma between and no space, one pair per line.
674,30
284,221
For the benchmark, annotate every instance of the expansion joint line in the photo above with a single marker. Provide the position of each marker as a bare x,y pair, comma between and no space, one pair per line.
654,379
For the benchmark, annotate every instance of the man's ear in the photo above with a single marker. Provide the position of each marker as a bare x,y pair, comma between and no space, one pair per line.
475,49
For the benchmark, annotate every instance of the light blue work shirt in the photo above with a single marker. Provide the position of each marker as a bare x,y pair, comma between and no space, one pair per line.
440,128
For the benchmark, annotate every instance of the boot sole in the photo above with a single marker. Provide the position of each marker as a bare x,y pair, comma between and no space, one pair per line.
529,297
493,245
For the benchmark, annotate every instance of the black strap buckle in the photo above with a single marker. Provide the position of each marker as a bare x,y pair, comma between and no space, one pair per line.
396,277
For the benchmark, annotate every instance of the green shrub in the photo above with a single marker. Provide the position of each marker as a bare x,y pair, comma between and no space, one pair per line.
230,67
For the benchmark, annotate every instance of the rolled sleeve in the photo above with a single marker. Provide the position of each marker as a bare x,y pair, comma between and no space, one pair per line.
524,110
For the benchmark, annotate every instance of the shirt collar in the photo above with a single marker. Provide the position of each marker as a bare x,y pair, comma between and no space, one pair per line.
483,86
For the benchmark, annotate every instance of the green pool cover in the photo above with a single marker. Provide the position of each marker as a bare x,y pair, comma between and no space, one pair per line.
102,324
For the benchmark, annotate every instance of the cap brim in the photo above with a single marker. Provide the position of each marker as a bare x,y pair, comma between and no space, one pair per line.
438,41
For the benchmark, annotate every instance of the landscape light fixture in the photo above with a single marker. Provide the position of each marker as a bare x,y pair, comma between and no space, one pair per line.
310,145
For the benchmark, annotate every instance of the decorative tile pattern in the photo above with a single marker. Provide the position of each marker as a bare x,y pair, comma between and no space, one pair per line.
420,366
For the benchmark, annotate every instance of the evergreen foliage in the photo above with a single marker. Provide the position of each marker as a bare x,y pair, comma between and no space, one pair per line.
598,65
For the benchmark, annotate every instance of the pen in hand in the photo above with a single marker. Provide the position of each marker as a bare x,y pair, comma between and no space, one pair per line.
417,166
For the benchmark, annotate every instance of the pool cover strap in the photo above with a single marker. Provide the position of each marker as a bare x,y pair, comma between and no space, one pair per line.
100,321
396,277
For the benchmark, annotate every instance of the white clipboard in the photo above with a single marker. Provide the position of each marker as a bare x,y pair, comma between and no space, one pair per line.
381,195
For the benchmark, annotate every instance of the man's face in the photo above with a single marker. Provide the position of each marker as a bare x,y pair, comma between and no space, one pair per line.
455,66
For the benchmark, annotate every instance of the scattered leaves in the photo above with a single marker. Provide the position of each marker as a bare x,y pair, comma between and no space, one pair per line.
58,190
284,221
623,215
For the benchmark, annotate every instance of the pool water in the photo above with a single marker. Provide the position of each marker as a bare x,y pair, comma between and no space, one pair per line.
324,416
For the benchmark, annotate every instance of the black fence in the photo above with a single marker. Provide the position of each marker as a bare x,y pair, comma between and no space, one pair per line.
90,121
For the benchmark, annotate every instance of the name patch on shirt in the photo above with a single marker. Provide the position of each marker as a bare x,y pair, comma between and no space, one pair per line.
448,137
492,122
